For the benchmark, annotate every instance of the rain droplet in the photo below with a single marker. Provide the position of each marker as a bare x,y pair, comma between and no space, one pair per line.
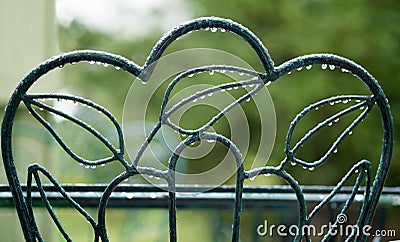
213,29
210,94
117,68
308,67
316,108
194,100
92,62
357,101
311,168
87,166
332,67
191,75
93,167
103,165
359,197
222,90
144,83
222,71
289,73
324,66
252,178
356,171
330,124
335,151
336,120
299,68
332,103
229,88
153,195
345,70
106,64
268,83
223,30
345,101
202,97
241,73
305,168
184,135
41,109
362,107
267,174
236,87
129,195
98,62
207,29
248,100
210,141
293,163
211,72
351,132
251,85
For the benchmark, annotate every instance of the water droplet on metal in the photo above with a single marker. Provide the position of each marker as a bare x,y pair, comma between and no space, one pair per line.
345,70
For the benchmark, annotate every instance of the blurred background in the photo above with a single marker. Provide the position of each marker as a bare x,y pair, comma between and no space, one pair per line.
32,31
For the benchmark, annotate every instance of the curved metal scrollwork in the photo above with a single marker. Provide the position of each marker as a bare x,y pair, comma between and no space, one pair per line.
271,74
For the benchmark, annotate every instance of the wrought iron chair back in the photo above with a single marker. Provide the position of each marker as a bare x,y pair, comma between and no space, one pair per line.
270,74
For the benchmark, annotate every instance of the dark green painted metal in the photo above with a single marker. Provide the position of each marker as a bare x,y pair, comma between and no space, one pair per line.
24,203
